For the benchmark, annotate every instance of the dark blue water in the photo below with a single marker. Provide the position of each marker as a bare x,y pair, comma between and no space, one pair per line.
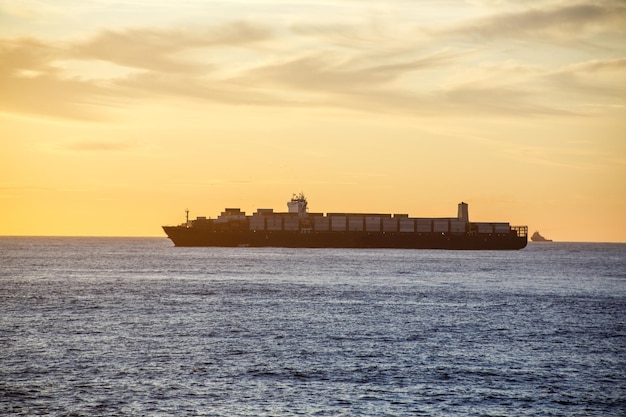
121,327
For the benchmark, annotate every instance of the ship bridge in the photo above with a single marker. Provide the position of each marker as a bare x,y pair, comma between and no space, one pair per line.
298,204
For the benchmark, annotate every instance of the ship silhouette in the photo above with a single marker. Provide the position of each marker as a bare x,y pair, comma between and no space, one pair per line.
299,228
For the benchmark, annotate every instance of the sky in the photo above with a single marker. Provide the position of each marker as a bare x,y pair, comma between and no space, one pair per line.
116,116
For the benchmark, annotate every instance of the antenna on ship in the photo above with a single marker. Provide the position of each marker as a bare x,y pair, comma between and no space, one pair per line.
187,217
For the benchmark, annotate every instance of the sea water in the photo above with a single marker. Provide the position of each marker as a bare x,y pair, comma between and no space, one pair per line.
137,327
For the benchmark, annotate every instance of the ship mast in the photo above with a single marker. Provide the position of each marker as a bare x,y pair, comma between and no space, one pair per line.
187,217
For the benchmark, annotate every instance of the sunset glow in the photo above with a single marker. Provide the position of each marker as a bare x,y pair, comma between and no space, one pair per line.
116,116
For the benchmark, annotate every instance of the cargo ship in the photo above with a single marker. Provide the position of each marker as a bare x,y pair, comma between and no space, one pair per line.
298,228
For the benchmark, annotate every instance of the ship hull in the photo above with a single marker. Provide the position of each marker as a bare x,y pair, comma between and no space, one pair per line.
185,236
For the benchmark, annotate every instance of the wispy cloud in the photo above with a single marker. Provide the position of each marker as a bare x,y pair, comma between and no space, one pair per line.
559,23
370,67
160,49
31,83
87,145
332,72
597,66
594,79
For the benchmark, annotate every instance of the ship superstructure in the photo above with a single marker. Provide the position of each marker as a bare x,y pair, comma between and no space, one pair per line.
300,228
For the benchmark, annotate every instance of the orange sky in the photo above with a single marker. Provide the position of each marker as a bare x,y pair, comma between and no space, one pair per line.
116,116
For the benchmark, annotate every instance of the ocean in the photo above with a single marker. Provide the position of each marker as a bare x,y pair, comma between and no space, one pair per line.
137,327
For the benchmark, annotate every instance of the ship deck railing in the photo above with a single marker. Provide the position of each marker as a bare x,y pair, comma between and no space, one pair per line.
522,231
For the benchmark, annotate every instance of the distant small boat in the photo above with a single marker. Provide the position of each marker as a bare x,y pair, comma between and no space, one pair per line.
536,237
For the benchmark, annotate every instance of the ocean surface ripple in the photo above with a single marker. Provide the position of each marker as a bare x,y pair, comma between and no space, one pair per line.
129,326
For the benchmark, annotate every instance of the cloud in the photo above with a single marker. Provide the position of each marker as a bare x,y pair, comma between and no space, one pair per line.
504,100
27,10
597,79
13,190
32,79
370,67
31,83
150,84
96,145
160,49
28,54
596,66
533,90
562,23
333,73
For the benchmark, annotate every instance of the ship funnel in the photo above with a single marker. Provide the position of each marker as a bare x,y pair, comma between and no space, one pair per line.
298,205
463,212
